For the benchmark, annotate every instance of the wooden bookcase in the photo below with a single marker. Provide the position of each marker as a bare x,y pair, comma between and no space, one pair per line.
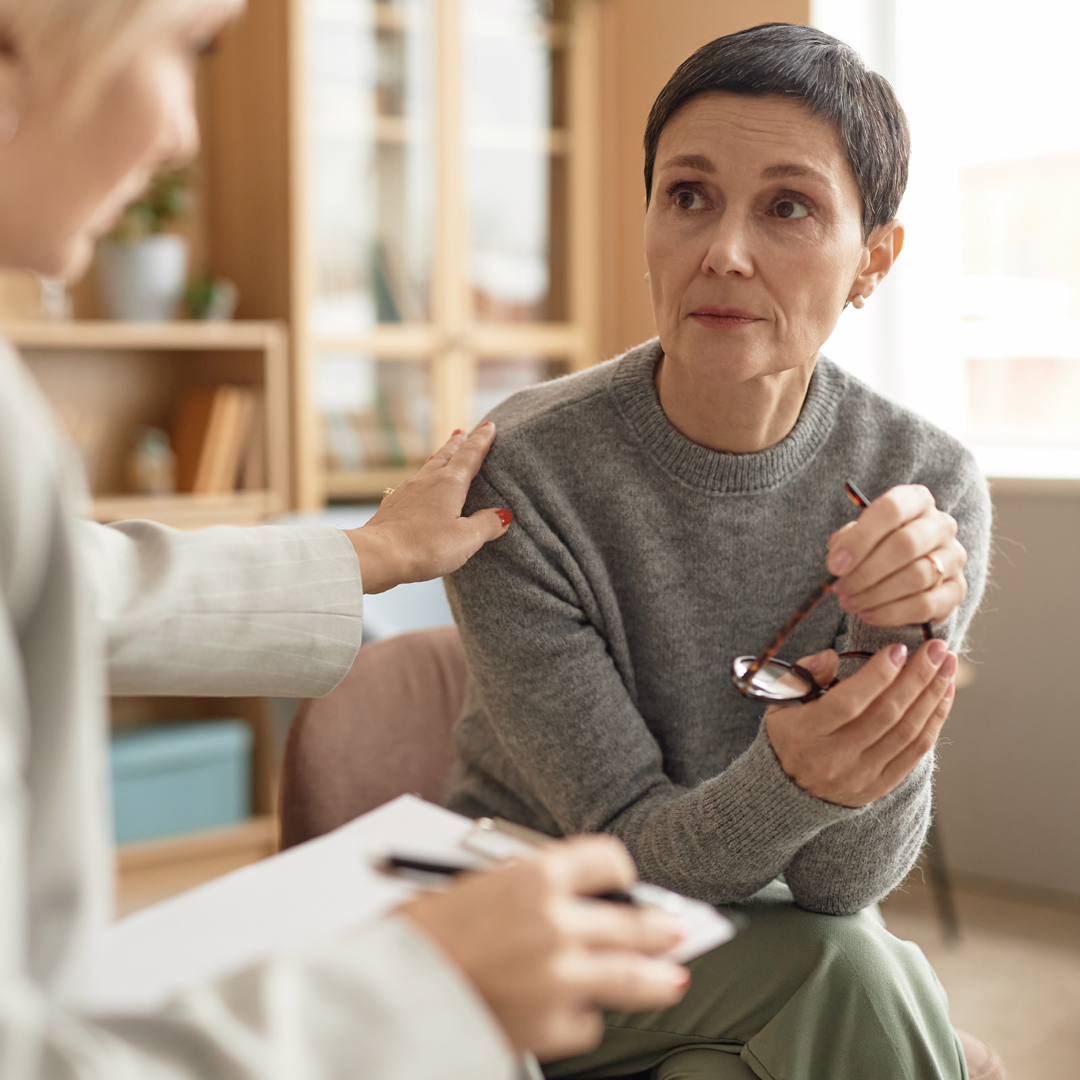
454,345
107,380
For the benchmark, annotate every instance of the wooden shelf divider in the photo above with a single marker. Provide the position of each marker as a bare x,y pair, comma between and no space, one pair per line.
168,336
156,869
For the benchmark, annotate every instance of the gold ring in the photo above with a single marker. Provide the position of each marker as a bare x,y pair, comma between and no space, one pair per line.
388,491
935,562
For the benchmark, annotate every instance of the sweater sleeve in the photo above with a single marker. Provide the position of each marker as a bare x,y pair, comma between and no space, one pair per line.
885,842
569,742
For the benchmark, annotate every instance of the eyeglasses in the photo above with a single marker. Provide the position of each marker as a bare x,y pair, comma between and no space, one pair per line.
765,678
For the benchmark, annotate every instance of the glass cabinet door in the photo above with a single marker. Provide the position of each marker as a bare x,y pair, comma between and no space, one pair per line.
515,150
370,94
376,416
438,162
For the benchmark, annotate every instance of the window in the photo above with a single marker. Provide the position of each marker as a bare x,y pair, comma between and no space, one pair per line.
978,327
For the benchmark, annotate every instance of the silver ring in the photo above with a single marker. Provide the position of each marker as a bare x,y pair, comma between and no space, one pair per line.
935,562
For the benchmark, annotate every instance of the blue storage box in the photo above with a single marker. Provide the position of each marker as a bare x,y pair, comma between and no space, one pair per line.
179,778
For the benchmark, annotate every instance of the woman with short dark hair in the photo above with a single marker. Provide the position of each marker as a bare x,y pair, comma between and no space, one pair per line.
674,508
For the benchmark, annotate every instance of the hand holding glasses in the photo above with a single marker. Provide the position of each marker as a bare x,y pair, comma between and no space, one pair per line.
765,678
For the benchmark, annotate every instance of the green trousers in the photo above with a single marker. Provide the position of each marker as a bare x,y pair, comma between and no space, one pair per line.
795,996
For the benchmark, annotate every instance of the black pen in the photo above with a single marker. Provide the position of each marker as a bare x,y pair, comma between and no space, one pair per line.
395,863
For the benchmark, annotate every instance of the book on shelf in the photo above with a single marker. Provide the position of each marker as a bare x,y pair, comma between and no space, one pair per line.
396,298
252,475
341,443
217,438
372,439
392,452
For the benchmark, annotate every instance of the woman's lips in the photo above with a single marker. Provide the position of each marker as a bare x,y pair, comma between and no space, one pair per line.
723,318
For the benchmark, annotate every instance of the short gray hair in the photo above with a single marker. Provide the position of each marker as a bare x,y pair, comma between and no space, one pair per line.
828,76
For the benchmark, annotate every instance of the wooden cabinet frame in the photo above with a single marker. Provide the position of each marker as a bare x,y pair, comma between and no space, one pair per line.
454,340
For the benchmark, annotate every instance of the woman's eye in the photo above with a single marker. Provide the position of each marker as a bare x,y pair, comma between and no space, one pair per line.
202,46
789,208
688,199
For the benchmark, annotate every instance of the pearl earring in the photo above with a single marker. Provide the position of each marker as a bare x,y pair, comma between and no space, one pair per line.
9,124
858,301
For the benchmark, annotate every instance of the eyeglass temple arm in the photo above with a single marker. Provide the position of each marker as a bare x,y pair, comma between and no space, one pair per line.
784,633
808,605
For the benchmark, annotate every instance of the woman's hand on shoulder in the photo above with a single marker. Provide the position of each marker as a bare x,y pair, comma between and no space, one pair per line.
900,562
418,532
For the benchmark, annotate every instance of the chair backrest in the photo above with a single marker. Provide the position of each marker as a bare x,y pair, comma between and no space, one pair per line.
385,730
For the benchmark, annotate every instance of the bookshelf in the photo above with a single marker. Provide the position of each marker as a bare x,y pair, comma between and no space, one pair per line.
108,380
444,225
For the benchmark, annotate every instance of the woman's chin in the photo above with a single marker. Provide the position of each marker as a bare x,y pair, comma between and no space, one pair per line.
66,261
727,362
71,263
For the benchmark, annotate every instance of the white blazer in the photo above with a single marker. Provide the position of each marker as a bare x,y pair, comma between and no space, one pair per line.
137,608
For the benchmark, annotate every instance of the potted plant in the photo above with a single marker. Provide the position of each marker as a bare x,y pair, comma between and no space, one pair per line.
143,269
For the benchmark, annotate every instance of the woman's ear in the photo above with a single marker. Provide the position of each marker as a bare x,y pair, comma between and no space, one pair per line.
883,246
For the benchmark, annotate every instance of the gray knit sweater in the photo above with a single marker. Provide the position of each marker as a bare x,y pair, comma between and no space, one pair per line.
601,629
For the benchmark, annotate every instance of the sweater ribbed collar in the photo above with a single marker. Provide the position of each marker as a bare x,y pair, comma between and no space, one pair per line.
633,386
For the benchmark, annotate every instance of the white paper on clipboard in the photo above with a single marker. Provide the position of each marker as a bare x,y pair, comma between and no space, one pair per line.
307,894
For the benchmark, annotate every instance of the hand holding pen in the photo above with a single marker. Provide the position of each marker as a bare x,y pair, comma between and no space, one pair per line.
544,955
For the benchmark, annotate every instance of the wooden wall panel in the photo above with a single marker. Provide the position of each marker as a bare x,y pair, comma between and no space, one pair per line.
245,159
643,42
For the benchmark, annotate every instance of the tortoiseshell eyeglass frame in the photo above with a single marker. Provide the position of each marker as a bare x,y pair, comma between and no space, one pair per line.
744,681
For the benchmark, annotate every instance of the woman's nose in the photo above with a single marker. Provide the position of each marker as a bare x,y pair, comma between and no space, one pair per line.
186,134
179,142
729,247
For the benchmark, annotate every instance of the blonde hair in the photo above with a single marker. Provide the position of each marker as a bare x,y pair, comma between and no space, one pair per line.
84,36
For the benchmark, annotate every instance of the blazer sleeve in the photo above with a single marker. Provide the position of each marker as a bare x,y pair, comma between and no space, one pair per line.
273,610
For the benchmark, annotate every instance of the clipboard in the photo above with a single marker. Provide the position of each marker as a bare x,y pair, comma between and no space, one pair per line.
307,894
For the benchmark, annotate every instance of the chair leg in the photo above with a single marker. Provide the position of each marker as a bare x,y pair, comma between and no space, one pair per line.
941,883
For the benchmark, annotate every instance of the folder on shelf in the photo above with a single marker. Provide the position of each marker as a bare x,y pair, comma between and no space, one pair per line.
212,429
252,475
309,893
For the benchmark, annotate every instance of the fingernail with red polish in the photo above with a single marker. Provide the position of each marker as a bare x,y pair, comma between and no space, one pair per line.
505,517
458,431
898,654
487,423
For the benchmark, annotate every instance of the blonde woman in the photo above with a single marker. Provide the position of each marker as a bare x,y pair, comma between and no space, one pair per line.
95,95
